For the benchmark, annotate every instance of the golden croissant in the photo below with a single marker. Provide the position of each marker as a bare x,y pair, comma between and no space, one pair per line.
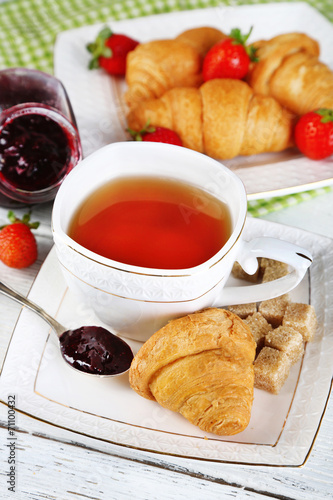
223,119
201,39
200,366
154,67
289,70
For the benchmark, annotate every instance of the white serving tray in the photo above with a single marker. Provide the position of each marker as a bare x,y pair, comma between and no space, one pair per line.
100,111
108,414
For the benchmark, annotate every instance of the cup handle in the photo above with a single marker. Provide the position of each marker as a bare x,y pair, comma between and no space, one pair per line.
272,248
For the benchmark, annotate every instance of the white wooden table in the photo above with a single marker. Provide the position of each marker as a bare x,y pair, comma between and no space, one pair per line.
49,468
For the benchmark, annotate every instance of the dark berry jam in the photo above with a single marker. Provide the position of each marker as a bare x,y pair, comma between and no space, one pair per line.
93,349
34,152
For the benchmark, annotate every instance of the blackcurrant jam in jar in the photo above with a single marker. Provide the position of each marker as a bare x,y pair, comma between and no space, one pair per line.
39,140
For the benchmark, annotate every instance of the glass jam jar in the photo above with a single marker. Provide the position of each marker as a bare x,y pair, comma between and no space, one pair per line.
39,140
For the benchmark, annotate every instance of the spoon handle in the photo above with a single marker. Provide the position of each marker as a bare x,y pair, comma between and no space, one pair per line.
9,292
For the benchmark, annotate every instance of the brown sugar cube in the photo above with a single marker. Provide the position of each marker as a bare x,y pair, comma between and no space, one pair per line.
273,310
265,262
301,317
259,327
271,370
271,264
243,310
274,271
238,272
287,340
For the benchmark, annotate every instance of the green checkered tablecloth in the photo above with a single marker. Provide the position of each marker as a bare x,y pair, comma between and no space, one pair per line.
28,29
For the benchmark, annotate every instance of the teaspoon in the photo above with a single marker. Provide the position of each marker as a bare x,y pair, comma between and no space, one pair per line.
89,349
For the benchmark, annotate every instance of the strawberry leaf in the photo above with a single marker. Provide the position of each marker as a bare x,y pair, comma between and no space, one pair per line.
137,135
239,39
251,52
98,48
327,115
25,220
236,34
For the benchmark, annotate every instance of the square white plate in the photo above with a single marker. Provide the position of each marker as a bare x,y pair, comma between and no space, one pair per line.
97,101
282,428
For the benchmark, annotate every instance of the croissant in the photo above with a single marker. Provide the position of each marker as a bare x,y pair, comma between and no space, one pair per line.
154,67
289,70
200,366
201,39
223,119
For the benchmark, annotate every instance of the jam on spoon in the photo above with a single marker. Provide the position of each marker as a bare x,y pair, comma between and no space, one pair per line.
89,349
93,349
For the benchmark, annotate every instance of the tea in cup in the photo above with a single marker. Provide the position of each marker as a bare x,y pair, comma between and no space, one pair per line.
146,232
152,222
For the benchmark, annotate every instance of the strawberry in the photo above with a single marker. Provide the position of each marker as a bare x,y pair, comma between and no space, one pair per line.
18,247
314,134
109,51
229,58
156,134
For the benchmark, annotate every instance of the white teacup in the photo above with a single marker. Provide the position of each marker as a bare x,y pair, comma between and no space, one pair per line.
136,301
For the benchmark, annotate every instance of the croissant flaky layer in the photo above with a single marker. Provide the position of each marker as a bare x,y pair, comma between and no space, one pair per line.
289,70
201,39
157,66
223,118
200,366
